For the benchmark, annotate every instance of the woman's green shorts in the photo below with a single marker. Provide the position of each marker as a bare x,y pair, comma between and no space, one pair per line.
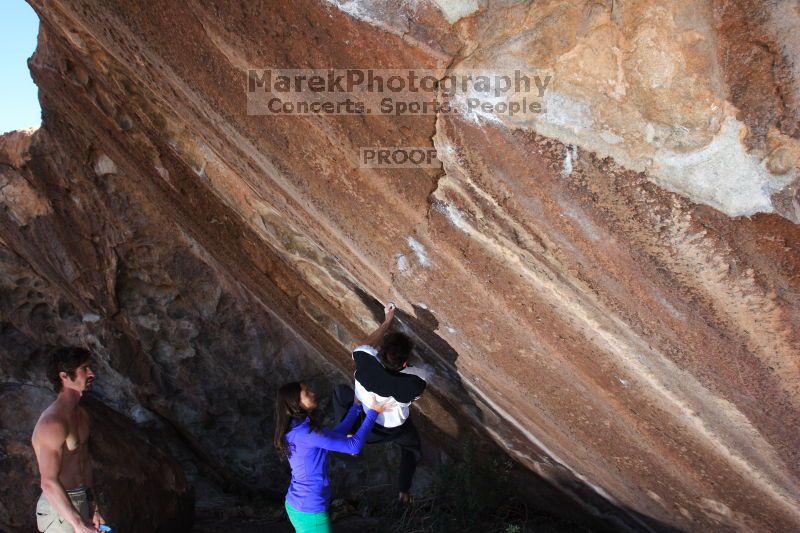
308,522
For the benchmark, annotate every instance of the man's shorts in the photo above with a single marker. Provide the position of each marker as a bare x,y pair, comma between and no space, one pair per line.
48,520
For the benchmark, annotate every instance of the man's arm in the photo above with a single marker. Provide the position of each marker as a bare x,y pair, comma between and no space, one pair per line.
375,337
48,439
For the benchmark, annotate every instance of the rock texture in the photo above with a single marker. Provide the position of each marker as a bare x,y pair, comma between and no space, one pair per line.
610,289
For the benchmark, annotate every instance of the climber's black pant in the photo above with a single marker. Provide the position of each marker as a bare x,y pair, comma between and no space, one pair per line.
405,435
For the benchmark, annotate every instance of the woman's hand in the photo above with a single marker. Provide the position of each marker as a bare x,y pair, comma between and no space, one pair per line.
382,406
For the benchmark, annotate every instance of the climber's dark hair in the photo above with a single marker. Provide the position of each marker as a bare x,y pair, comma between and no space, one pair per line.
395,350
288,408
66,359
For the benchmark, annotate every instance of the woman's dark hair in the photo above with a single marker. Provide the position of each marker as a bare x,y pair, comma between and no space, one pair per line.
395,350
67,360
288,408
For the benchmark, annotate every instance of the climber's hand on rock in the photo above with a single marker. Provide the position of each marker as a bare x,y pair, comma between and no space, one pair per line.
374,338
388,312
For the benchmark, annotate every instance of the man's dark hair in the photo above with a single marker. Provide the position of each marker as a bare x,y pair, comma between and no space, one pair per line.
395,350
67,360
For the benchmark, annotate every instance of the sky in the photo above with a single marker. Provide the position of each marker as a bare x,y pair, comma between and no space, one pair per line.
19,103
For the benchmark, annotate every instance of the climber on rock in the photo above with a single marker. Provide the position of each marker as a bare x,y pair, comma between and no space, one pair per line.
383,374
60,442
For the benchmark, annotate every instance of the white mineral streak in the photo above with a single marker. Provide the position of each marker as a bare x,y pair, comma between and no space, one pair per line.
419,251
454,10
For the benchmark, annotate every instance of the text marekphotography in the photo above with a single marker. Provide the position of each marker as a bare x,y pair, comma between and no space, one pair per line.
504,93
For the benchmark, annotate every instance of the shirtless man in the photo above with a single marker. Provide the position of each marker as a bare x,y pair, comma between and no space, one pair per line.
60,441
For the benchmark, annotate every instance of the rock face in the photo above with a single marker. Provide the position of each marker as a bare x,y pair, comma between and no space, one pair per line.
609,288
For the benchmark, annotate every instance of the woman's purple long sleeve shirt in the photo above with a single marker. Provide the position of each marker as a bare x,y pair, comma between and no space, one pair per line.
309,490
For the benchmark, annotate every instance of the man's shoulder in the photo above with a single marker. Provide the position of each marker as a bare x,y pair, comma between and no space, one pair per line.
365,348
53,414
417,383
51,426
365,355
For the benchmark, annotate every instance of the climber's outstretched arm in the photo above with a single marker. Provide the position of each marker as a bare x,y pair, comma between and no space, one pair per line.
376,336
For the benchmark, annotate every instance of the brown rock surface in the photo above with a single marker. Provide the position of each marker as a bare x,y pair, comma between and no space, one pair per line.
584,282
